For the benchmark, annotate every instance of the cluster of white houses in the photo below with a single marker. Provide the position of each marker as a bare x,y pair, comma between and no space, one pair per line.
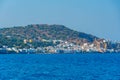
63,47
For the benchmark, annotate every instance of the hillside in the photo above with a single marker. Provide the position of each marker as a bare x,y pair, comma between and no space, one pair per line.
37,32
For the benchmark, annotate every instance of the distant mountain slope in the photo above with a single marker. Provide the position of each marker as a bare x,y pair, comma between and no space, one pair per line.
37,32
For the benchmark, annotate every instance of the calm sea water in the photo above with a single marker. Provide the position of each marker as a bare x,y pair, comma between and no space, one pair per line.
60,67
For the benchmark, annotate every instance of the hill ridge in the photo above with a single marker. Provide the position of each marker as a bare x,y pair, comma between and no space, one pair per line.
37,32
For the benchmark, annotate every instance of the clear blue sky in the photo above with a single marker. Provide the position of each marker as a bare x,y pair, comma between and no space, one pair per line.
97,17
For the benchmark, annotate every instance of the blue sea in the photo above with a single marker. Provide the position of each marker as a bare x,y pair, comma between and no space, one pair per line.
60,66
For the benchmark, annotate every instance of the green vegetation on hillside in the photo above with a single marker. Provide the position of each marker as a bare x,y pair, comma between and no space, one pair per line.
15,36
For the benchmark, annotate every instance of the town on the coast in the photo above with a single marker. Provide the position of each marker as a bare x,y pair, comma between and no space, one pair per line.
98,46
44,38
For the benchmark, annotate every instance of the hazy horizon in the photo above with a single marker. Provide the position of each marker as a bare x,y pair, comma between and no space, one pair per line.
97,17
